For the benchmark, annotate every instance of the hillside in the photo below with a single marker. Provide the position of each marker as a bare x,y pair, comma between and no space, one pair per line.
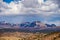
29,36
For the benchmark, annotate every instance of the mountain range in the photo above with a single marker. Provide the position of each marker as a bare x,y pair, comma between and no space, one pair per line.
35,26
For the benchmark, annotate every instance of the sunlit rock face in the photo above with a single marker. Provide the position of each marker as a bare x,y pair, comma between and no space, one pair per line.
40,24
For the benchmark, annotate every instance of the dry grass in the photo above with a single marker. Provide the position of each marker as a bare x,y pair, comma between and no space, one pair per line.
29,36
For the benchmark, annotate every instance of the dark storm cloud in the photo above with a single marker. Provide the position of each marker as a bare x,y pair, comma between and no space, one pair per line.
30,3
58,2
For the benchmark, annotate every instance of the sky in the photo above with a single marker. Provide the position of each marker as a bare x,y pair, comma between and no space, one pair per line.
17,11
7,1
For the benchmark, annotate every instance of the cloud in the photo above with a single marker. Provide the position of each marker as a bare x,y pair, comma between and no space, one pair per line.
12,8
45,8
40,2
28,6
49,9
30,3
15,8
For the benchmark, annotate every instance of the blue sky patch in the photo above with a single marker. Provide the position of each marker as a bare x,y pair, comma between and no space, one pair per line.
7,1
44,0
